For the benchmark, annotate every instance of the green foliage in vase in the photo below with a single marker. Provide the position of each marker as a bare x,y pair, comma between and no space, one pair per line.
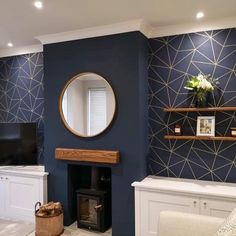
201,84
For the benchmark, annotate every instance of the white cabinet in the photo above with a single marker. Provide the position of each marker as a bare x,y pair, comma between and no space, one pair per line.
2,191
216,208
20,190
153,203
156,194
20,196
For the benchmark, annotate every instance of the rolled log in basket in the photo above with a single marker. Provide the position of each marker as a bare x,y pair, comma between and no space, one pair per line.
48,219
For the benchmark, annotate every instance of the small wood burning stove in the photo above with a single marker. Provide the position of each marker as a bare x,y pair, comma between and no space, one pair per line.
94,206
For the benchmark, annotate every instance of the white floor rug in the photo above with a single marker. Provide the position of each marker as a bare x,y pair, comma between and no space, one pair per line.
15,228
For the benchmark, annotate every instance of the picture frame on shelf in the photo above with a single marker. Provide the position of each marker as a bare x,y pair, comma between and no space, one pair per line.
205,126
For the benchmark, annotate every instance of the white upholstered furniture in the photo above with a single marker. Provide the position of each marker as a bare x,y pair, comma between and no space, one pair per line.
20,188
185,224
156,194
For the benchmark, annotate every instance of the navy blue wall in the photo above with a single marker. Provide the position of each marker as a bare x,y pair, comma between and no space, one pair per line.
21,92
122,60
173,60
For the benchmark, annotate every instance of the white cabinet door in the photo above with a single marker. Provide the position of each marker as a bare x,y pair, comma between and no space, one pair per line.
151,204
21,196
216,208
2,197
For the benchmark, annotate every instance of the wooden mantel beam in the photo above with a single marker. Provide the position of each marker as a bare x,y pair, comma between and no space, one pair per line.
85,155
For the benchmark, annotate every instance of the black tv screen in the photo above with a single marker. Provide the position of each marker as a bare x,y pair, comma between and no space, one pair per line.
18,144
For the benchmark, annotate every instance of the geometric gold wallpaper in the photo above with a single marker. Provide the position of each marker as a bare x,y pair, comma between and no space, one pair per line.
173,60
21,92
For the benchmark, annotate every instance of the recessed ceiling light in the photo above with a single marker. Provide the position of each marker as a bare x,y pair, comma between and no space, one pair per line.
10,45
200,15
38,4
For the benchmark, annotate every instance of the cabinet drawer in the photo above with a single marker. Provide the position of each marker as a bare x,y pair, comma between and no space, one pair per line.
153,203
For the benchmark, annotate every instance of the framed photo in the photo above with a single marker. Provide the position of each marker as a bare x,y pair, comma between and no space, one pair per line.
206,126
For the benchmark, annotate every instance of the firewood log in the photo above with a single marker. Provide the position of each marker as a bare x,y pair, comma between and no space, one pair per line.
50,209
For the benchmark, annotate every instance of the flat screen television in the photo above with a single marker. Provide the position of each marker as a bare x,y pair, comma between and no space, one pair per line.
18,144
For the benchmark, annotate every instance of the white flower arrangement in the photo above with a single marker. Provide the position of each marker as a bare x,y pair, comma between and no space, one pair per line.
204,83
201,84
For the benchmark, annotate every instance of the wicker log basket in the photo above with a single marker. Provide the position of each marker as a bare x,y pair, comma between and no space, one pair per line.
48,219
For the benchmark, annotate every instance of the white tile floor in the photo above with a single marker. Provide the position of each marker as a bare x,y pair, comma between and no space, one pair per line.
20,228
72,230
15,228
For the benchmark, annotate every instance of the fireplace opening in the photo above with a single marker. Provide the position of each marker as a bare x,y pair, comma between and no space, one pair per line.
90,196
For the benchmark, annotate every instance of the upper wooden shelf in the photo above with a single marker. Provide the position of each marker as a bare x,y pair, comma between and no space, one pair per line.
193,109
215,138
84,155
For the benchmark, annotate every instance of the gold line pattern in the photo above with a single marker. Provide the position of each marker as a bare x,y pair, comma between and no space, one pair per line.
173,60
21,92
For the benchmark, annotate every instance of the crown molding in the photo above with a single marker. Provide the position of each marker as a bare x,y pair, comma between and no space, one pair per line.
122,27
146,28
223,23
15,51
138,25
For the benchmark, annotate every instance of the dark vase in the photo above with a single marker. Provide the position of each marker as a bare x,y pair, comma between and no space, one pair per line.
203,102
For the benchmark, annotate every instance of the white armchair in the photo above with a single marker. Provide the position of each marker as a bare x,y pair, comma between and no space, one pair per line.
184,224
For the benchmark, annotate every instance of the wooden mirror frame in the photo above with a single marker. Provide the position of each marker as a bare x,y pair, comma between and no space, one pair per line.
61,110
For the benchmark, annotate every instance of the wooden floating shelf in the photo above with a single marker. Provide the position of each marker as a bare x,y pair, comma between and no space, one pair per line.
216,138
84,155
194,109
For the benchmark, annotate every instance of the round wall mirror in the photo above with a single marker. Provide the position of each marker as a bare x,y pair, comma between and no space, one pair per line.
87,105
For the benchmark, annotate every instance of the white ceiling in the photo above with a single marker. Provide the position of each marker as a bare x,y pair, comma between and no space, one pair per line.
21,22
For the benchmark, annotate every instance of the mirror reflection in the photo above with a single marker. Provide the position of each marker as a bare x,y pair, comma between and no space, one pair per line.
87,104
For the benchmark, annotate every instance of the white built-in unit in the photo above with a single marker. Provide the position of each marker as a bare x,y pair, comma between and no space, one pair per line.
156,194
20,188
